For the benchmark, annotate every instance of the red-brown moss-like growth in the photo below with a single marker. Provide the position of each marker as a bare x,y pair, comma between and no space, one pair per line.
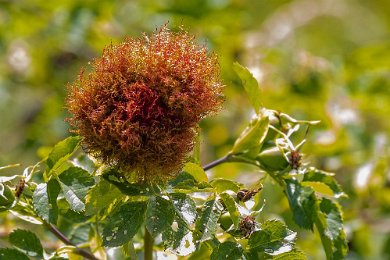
139,106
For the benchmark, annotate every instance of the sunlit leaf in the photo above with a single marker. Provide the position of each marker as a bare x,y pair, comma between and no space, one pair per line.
231,206
250,84
221,185
318,187
196,171
315,175
101,196
62,151
27,242
74,183
123,223
293,255
251,139
184,206
273,238
179,239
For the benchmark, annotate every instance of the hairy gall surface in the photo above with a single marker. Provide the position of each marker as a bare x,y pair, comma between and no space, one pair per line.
138,107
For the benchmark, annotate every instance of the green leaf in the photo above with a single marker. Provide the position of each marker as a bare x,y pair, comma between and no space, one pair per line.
45,200
315,175
72,217
196,171
9,166
27,242
62,151
159,215
302,202
319,187
183,181
186,183
250,84
293,255
228,250
8,253
184,206
84,161
8,178
272,159
231,206
6,197
123,223
207,223
179,239
75,183
330,227
221,185
288,119
251,139
132,189
25,213
80,234
101,196
274,238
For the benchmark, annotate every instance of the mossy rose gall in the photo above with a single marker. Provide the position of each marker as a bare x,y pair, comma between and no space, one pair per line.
138,107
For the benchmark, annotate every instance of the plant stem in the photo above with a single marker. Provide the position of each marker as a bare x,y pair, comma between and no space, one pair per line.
216,162
67,241
148,245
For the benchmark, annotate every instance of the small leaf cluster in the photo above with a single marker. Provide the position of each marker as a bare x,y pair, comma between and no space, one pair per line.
96,207
312,194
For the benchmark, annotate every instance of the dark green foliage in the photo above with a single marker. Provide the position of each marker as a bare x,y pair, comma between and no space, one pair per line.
123,223
159,215
45,200
272,237
228,250
27,242
8,253
103,207
302,202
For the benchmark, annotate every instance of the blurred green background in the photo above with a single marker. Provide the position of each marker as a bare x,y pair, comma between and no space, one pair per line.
323,59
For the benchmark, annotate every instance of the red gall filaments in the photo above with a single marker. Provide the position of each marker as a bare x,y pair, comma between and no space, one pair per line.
139,106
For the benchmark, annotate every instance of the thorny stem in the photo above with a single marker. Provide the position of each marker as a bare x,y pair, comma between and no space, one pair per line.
148,245
66,240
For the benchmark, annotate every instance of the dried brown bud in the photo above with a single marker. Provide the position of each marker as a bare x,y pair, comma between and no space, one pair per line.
247,226
295,160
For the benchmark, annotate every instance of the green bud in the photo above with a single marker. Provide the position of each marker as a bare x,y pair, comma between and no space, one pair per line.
252,138
272,159
6,197
225,221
